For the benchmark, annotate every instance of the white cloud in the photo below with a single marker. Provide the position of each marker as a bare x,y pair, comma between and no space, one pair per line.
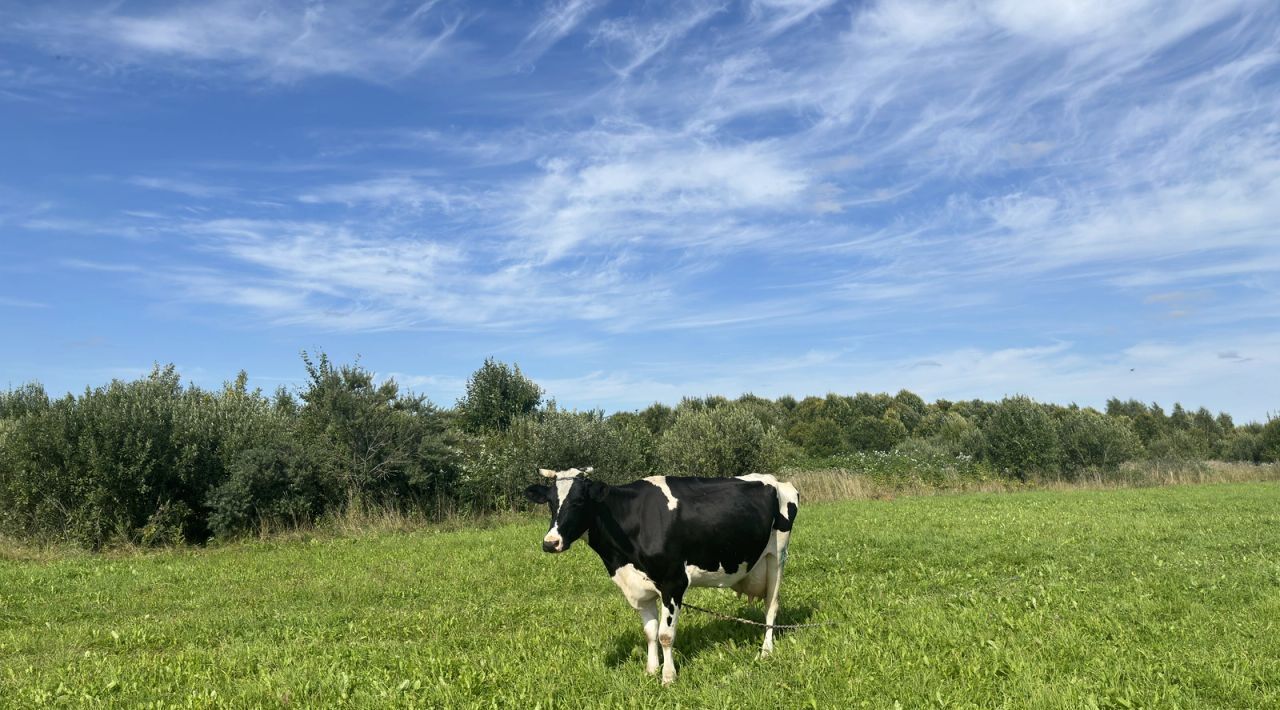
388,192
21,303
556,22
654,188
190,188
272,40
641,41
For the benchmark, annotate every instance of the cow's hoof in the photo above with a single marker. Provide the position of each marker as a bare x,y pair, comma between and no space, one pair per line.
668,678
764,652
651,670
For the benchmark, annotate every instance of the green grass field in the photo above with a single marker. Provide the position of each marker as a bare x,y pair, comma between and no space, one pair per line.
1160,597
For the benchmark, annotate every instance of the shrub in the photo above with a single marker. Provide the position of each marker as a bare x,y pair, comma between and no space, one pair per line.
657,417
129,460
497,466
910,408
280,483
1021,438
724,441
1093,440
27,399
1178,445
497,394
376,442
952,432
1243,446
818,437
1269,441
875,433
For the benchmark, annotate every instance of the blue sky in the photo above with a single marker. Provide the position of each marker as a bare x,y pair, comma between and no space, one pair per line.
639,201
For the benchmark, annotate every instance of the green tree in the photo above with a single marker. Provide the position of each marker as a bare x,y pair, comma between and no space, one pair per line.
496,394
1269,446
910,408
1091,439
1022,438
725,441
818,437
374,440
875,433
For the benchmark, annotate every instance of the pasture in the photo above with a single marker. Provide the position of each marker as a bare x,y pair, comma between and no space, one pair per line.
1164,597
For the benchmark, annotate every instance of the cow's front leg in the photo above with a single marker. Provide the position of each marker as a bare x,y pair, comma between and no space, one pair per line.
669,615
649,615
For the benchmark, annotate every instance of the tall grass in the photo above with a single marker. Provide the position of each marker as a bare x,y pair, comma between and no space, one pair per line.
818,483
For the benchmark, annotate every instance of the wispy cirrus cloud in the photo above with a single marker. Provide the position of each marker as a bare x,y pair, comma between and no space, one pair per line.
275,41
557,20
21,303
637,41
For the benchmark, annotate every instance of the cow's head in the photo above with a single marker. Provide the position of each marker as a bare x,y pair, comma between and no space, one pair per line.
570,495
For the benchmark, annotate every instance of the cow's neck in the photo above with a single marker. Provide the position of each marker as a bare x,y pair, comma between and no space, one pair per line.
606,536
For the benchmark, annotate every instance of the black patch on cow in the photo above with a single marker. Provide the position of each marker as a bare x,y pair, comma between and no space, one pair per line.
783,523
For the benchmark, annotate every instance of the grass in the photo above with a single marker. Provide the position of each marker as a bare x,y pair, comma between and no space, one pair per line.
1149,597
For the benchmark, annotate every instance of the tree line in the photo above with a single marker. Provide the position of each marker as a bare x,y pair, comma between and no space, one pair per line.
154,461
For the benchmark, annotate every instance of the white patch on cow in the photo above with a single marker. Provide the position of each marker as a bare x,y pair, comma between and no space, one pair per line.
699,577
636,586
661,483
564,484
553,535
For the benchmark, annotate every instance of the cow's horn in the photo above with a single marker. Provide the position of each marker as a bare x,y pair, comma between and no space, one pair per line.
547,472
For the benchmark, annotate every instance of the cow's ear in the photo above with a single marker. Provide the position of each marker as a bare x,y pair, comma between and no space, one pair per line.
597,490
537,493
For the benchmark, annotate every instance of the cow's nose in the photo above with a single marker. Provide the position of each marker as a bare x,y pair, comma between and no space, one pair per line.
548,546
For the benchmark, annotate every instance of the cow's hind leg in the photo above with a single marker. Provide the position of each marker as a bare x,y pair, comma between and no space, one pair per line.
669,614
774,577
649,615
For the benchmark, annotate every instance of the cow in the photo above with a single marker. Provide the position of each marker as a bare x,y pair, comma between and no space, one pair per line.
661,535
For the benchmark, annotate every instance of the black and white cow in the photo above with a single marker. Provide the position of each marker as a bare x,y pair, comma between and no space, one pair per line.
661,535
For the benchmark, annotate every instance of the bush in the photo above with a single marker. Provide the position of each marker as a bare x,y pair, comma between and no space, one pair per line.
818,437
1245,446
281,484
378,444
875,433
1269,441
1093,440
722,441
133,460
1178,445
497,394
1021,438
657,418
500,464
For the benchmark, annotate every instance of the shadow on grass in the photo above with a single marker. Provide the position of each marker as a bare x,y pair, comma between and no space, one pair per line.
699,631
